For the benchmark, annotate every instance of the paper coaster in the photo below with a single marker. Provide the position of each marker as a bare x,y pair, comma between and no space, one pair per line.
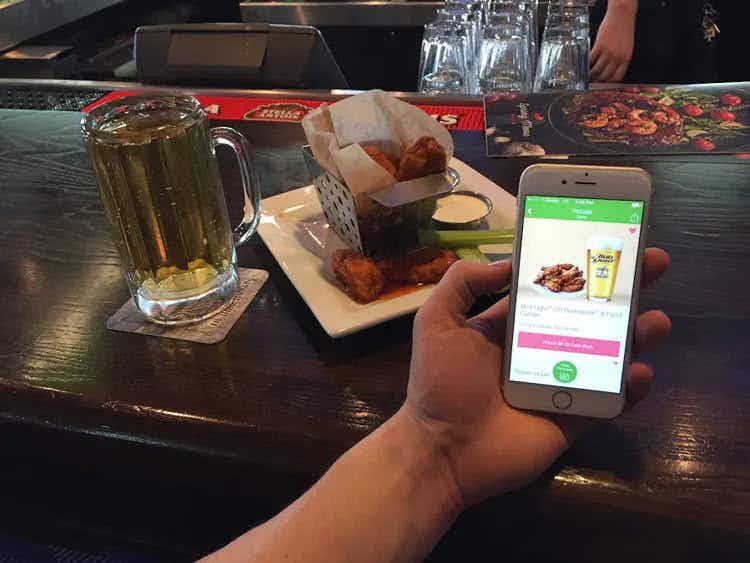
210,331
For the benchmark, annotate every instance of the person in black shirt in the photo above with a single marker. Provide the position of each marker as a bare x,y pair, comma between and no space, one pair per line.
655,41
734,64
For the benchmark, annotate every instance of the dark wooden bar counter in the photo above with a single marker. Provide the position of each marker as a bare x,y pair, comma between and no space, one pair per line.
178,446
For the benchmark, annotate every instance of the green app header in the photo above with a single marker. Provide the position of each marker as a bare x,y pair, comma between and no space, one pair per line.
582,209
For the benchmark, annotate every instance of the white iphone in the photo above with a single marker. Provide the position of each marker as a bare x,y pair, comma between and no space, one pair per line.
576,273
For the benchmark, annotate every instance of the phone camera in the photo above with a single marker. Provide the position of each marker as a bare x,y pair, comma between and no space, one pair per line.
564,181
585,173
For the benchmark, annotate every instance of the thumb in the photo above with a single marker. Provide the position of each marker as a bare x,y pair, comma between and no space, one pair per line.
460,287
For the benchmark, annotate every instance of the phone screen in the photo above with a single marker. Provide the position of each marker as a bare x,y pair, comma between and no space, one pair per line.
575,287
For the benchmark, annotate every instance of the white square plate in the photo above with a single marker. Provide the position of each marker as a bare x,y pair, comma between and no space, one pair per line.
296,232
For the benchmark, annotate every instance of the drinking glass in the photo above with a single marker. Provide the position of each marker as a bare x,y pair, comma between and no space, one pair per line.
504,58
525,14
564,54
468,15
467,25
578,12
575,9
476,7
531,7
563,62
442,63
155,164
571,14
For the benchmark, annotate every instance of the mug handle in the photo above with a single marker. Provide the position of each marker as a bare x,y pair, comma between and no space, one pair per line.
250,186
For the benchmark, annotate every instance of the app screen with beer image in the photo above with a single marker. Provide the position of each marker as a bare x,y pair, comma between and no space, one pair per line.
575,284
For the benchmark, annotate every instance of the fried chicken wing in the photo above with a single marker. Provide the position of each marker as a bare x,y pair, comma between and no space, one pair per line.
427,265
574,286
551,270
554,287
426,156
570,273
561,277
360,276
364,279
387,161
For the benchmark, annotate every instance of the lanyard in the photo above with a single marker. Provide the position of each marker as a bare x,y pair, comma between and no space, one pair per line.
710,17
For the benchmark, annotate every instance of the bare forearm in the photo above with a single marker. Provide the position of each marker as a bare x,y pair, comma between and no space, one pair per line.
389,498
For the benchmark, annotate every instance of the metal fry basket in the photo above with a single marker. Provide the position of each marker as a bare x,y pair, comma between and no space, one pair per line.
363,223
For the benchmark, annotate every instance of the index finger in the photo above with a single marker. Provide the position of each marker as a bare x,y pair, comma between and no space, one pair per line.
655,263
594,56
607,74
462,284
598,67
620,73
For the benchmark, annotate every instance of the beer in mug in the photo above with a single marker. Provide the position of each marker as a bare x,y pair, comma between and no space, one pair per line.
602,263
154,160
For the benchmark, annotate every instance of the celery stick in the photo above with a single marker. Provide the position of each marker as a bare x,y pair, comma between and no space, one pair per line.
464,239
472,254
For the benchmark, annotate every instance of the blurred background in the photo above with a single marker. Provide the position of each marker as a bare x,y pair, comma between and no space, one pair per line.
376,44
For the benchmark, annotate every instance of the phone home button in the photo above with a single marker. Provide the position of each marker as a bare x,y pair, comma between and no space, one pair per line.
562,400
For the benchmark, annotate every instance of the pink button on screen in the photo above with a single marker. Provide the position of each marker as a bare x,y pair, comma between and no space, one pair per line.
593,346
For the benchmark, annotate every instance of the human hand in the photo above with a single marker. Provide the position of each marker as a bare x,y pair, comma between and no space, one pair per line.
613,48
454,384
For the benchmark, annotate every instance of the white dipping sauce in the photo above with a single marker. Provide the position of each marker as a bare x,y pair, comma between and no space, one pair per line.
459,208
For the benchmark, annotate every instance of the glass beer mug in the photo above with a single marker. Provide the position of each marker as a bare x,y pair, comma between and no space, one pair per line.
155,163
602,262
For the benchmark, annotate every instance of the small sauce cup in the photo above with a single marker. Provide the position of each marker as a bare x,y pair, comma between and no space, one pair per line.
462,210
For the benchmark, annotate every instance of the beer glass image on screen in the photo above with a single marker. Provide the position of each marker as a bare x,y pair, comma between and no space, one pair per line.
602,262
159,181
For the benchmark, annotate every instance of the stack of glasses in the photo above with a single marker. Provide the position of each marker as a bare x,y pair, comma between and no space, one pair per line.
489,46
449,49
564,55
